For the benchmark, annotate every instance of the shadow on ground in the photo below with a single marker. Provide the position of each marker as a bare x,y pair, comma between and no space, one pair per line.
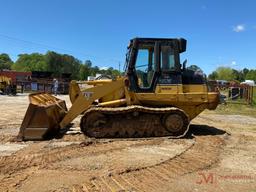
204,130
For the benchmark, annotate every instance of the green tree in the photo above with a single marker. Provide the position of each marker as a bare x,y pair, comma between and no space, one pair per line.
30,62
5,61
94,70
88,63
113,72
71,65
238,75
84,71
62,63
116,73
225,73
54,63
213,75
245,71
251,75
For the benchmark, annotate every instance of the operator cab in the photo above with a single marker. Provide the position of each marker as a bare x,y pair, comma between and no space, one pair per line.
152,61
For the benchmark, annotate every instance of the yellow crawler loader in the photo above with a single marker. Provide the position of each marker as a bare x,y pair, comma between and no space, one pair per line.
157,96
6,86
4,82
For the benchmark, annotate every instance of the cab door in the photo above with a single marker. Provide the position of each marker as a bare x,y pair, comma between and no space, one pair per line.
145,71
170,80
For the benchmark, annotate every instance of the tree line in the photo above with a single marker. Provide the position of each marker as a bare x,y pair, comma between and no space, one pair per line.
228,74
63,63
56,63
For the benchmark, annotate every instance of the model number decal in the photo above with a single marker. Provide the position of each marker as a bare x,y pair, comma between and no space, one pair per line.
166,88
88,95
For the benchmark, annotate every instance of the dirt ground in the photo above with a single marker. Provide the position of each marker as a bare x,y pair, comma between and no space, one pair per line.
218,154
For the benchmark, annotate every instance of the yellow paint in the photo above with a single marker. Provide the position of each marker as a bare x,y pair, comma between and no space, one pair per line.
193,99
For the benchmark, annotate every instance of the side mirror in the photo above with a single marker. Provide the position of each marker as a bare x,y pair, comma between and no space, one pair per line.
184,64
182,45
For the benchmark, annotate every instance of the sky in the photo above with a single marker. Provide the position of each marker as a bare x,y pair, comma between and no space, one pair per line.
218,32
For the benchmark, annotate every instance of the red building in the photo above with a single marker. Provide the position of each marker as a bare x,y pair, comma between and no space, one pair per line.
16,76
37,81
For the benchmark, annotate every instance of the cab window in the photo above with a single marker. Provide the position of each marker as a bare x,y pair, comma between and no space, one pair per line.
144,66
167,58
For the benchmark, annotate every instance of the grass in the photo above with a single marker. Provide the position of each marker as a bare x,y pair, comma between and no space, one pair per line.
225,92
236,109
238,106
254,96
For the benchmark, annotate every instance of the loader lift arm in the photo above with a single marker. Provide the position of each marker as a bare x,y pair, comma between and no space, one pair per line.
46,114
87,97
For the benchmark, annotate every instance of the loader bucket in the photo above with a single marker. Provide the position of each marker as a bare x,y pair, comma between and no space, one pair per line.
42,118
